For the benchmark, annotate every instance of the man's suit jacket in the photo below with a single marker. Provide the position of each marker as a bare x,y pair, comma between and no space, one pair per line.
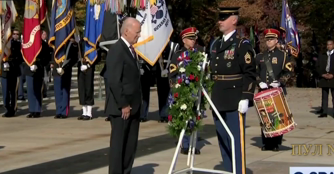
321,68
123,78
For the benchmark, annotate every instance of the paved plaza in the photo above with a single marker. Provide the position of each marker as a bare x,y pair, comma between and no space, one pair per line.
69,146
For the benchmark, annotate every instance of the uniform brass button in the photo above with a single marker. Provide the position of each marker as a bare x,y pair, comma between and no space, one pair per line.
233,86
268,54
217,58
215,71
216,64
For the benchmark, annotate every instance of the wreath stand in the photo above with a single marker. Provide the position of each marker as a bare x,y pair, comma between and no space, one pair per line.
193,139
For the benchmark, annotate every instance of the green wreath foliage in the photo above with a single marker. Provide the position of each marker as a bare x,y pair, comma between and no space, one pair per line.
185,93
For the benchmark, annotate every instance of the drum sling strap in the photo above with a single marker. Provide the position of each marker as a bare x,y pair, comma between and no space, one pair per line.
269,67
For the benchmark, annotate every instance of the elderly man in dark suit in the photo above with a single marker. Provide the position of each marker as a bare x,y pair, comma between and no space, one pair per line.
124,98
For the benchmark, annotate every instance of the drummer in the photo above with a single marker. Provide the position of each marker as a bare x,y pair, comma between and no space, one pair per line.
273,75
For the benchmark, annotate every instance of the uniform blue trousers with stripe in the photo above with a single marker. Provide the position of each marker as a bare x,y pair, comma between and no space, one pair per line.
62,86
9,92
236,124
34,91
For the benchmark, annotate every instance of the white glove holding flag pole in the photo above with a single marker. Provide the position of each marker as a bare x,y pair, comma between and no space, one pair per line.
33,68
243,106
60,71
263,85
275,84
83,67
6,65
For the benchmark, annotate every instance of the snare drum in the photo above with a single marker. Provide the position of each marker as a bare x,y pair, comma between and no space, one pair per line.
275,116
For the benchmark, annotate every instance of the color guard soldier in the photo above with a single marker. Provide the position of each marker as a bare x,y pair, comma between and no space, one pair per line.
16,45
34,76
273,68
189,37
233,70
10,71
159,72
325,68
86,83
62,75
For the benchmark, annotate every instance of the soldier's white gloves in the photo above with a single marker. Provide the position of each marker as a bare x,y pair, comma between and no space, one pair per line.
6,65
263,85
275,84
164,73
83,67
60,71
243,106
33,68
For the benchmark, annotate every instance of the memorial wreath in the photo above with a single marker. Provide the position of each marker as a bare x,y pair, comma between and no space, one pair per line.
185,93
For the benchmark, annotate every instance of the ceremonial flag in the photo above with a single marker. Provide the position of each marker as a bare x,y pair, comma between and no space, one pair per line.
155,32
289,26
93,30
34,16
62,27
7,19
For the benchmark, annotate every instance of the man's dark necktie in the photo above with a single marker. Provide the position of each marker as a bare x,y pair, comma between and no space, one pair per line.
133,51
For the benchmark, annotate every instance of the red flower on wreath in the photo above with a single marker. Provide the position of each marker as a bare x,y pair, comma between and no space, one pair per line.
176,95
179,81
198,117
191,77
196,79
169,118
187,58
179,58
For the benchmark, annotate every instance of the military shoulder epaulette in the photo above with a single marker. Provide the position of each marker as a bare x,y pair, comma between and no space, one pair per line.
242,41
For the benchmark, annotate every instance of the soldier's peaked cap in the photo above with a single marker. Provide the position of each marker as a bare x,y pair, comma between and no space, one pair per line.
226,12
271,33
188,32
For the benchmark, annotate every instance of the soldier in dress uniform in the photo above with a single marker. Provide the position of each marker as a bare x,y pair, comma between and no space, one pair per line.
325,68
86,83
277,61
233,70
34,76
16,45
62,75
189,37
10,71
159,72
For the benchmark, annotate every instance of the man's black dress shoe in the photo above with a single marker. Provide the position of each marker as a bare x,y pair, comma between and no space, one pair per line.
107,119
31,115
322,116
36,115
143,119
80,117
9,114
57,116
86,117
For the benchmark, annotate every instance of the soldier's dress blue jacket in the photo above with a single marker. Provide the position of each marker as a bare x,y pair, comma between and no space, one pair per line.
9,79
233,71
282,68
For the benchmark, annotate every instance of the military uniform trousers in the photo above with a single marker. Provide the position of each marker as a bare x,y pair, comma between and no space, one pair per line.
86,86
9,92
22,81
162,90
34,90
62,86
236,124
